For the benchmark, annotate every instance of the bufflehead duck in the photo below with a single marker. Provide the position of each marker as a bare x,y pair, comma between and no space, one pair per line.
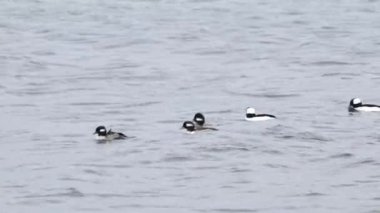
252,116
356,105
102,134
189,126
199,121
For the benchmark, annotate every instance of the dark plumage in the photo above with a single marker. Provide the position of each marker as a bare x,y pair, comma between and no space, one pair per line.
102,134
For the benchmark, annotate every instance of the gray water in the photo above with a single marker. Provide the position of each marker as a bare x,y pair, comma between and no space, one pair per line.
143,67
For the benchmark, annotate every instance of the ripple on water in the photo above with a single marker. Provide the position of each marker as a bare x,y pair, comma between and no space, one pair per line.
276,166
314,194
342,155
177,158
220,149
67,192
331,63
234,210
264,95
289,133
121,166
362,162
273,152
343,185
94,172
312,136
308,194
239,170
340,74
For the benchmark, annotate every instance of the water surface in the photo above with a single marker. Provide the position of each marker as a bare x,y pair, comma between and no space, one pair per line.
143,67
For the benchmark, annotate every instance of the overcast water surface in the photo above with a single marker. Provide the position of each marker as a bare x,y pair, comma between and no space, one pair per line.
144,67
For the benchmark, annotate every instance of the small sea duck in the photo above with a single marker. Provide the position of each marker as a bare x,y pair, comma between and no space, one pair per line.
356,105
189,126
101,134
199,121
252,116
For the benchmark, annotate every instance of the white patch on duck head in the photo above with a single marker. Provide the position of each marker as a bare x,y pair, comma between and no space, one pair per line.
198,119
356,101
251,110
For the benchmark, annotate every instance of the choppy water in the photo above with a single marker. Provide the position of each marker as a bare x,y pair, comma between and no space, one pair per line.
143,67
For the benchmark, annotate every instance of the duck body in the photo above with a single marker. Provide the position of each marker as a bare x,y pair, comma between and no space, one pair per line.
199,121
259,117
252,116
191,127
101,134
356,105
